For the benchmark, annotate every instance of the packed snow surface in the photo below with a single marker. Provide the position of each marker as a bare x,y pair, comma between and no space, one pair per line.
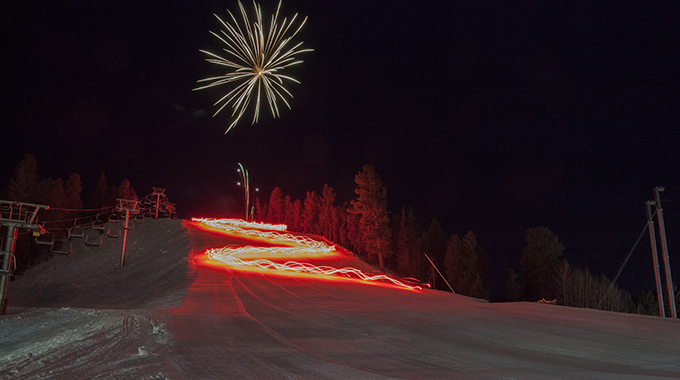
165,316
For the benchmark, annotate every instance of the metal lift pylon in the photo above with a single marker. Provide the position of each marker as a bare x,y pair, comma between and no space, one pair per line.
14,215
128,206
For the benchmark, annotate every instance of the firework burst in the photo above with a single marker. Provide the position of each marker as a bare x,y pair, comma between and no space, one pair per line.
259,56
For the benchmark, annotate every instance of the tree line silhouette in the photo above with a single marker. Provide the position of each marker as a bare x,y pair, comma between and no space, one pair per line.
396,245
392,242
363,225
65,200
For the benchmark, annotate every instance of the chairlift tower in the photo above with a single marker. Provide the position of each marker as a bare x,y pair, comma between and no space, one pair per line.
14,215
158,192
128,206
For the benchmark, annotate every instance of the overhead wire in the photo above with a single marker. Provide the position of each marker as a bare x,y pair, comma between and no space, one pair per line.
623,265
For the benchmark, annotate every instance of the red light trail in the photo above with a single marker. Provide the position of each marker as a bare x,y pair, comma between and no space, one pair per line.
288,245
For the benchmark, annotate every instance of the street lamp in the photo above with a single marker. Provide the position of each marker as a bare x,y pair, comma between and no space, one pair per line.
245,182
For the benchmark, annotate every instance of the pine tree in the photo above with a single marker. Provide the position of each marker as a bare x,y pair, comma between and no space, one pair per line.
277,206
336,225
512,289
125,191
289,211
343,227
466,266
478,276
297,216
21,188
326,210
355,234
456,266
100,195
433,245
371,206
310,213
73,188
51,192
264,217
648,304
258,210
406,243
540,264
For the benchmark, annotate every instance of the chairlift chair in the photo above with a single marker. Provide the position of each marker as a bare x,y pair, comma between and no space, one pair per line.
97,243
117,235
45,238
98,225
99,230
76,232
64,242
113,217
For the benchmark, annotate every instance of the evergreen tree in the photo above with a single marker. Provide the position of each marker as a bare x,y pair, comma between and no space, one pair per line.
343,227
455,264
100,195
326,210
73,188
310,213
336,225
540,264
51,192
648,304
21,188
371,206
512,289
406,243
277,206
265,213
297,216
258,210
289,212
112,196
479,287
125,191
355,234
466,266
433,245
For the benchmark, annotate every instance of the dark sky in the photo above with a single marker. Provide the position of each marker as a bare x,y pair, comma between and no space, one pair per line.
486,117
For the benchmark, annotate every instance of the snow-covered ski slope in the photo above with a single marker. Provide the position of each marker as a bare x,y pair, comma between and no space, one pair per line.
166,316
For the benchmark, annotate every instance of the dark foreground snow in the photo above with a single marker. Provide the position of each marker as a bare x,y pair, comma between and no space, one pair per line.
82,317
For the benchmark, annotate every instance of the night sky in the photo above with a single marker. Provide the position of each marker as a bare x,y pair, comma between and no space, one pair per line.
489,118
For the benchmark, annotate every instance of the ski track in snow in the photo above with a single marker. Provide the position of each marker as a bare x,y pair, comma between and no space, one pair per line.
163,317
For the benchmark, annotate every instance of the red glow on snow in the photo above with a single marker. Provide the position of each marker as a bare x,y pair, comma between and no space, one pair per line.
276,259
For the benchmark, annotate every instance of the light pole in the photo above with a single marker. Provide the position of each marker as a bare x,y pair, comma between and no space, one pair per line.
664,248
245,181
657,275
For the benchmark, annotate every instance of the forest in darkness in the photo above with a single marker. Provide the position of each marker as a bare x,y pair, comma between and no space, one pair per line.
395,243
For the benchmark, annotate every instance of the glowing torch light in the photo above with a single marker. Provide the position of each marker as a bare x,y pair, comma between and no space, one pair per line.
287,246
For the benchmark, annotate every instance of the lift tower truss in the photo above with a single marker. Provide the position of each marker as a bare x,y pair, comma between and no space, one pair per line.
14,215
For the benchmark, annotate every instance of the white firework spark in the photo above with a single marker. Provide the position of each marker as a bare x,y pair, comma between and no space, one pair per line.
260,57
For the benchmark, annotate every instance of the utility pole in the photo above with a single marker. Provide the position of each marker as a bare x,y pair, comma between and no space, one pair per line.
14,215
657,275
664,247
